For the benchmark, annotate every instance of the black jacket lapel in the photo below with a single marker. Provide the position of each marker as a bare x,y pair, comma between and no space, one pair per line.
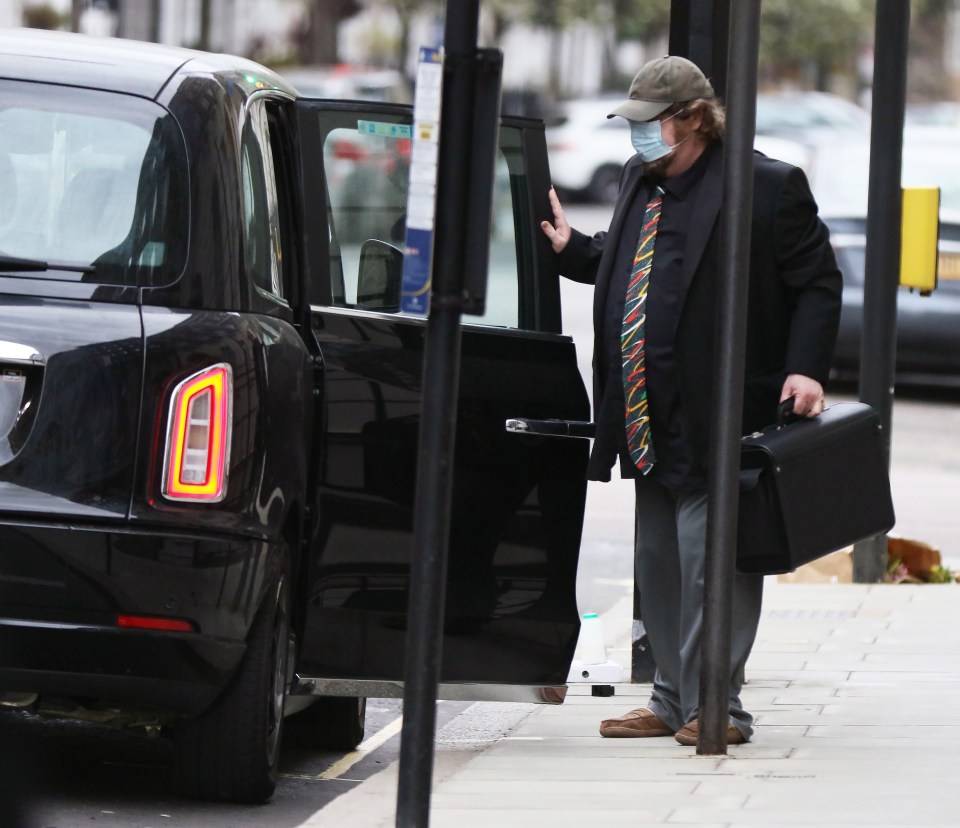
631,182
705,213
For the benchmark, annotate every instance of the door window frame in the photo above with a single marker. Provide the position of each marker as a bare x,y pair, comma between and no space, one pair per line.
538,294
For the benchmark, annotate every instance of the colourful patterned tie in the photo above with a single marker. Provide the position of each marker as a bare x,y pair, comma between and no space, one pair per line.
633,340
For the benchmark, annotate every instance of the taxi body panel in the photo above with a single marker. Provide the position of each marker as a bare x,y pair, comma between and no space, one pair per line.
208,418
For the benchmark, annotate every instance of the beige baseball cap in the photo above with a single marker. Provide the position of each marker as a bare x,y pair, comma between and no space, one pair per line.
660,83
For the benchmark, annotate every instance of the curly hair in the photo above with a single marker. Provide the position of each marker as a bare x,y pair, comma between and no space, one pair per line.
714,123
713,114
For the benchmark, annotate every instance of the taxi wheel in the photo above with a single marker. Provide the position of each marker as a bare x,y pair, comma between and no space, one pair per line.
230,752
331,722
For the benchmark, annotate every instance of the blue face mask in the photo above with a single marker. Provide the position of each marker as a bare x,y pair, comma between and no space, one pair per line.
647,139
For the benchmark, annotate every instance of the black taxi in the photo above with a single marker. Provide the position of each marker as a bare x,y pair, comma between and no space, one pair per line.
210,402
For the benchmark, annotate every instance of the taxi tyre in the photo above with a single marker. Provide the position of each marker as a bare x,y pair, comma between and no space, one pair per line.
331,722
230,752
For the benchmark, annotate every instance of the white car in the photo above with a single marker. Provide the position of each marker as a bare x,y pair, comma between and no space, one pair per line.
791,113
350,83
839,170
928,327
587,150
934,114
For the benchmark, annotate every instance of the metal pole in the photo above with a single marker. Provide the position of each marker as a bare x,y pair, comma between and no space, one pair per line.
699,32
878,344
441,368
155,18
731,350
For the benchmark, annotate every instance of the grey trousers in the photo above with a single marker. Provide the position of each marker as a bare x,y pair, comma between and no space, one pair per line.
670,559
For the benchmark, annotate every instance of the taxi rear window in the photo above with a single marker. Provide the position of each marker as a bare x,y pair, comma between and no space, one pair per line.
93,186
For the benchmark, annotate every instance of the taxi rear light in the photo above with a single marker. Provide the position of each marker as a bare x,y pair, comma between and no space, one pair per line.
197,448
149,622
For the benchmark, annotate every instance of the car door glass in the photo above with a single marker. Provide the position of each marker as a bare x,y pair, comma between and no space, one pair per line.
366,164
260,220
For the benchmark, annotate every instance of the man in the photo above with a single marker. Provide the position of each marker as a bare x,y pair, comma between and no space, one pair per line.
657,274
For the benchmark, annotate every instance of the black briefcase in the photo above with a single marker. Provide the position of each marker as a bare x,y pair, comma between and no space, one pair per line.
810,486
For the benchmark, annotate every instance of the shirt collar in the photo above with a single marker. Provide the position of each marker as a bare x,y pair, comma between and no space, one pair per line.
679,186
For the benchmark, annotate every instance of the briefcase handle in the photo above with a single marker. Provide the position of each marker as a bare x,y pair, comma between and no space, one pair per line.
785,412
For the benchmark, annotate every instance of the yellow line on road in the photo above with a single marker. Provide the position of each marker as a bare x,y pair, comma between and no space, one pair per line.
341,766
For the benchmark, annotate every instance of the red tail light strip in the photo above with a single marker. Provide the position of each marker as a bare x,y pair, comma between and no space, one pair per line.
197,449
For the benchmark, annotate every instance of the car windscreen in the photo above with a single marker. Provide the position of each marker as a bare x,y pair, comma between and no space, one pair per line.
93,187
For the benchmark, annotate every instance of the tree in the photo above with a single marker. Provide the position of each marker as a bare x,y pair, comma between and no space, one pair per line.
205,14
809,42
646,21
405,10
317,39
643,20
42,17
928,78
555,16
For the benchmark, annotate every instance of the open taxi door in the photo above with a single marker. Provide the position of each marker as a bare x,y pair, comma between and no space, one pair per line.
511,620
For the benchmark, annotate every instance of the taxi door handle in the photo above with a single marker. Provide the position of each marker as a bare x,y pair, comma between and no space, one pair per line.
552,428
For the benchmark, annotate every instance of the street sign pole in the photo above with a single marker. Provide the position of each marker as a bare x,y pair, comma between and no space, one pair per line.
723,484
469,118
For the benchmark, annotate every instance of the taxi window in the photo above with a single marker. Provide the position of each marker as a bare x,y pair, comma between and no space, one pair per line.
262,244
366,171
92,181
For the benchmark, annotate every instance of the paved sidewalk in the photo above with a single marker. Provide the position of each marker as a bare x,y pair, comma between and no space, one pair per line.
855,690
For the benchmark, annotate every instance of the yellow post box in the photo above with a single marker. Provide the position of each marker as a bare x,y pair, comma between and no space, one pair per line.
920,234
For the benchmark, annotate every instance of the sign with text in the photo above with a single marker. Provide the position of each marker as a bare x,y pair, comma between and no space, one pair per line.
422,189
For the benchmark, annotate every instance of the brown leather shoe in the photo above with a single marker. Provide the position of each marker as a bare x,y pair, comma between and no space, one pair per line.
636,723
687,735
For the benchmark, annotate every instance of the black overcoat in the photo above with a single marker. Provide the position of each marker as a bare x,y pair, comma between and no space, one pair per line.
794,297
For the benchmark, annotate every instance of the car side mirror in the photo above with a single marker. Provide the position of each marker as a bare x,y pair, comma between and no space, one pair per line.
381,272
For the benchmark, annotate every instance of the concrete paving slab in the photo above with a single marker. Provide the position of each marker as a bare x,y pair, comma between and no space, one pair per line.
638,797
596,787
802,677
623,772
832,663
787,815
889,677
463,818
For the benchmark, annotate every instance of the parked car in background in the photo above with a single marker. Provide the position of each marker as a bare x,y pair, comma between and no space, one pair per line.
792,114
588,150
346,81
839,171
934,114
928,327
210,407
